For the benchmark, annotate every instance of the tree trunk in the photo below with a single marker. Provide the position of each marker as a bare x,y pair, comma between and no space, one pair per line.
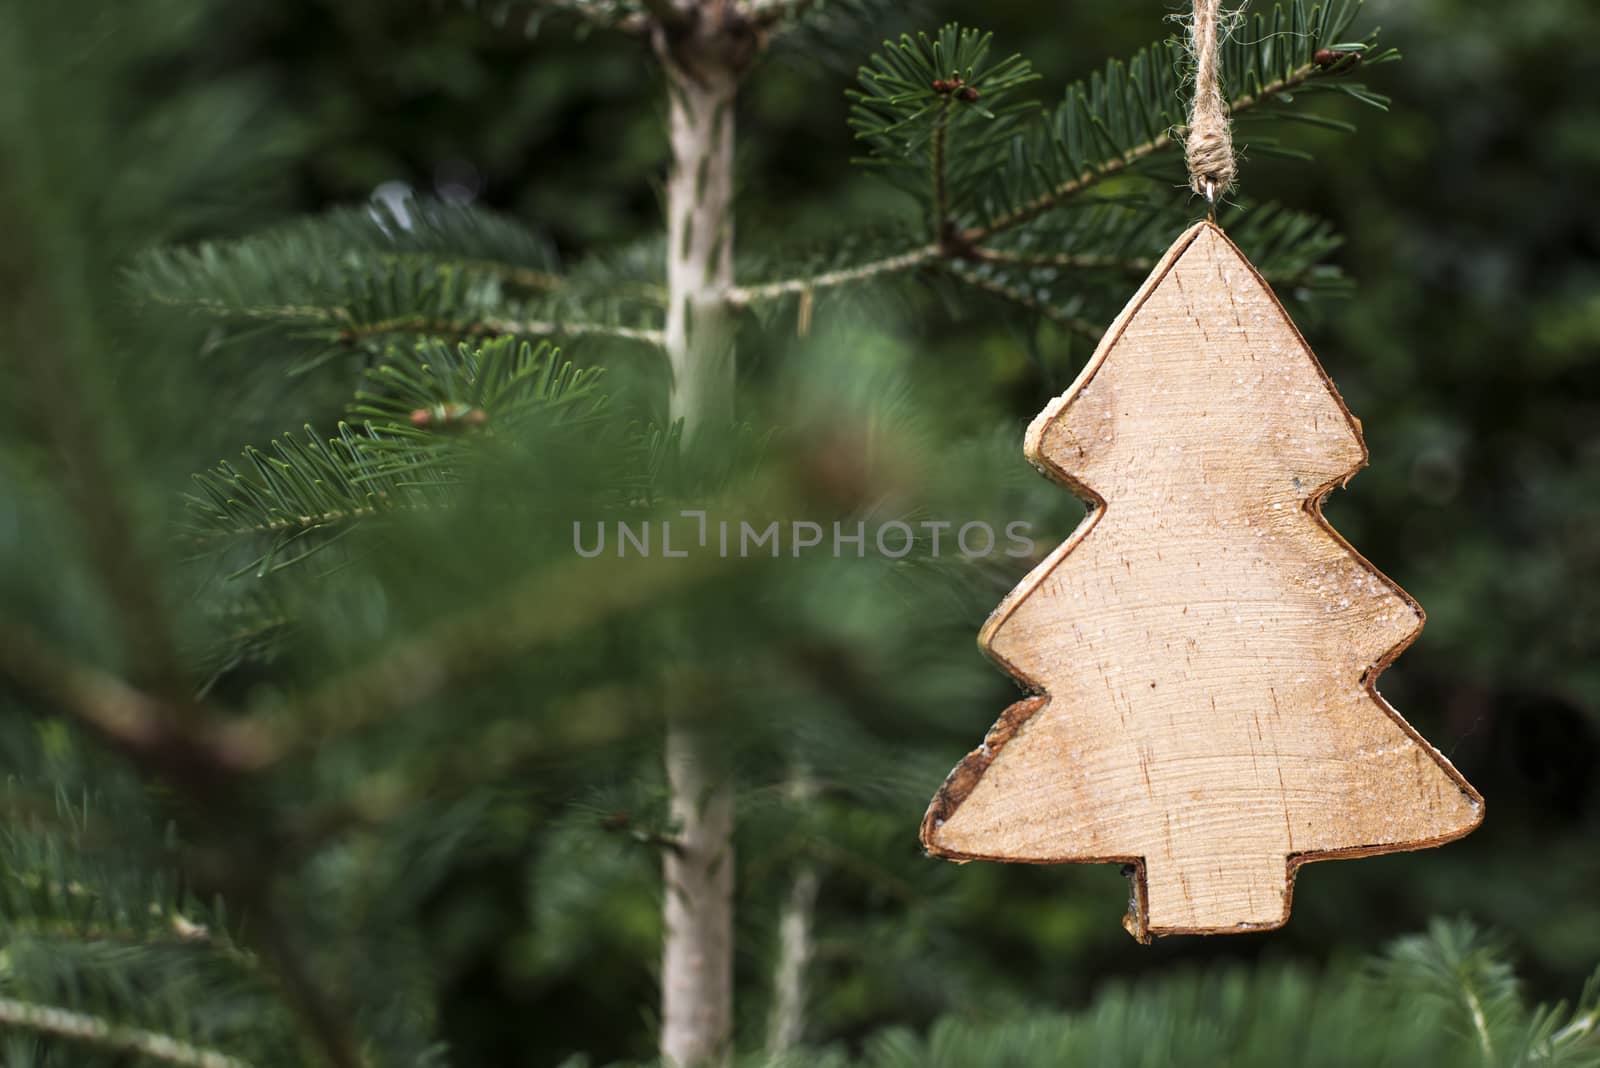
704,49
788,1022
700,243
697,947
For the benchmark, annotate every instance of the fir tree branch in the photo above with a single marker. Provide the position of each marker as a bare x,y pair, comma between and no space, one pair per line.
939,164
1288,247
516,274
459,647
102,701
94,1031
1138,266
601,716
1067,190
45,344
828,33
1088,179
1463,972
180,931
495,327
1009,163
438,237
922,256
1579,1028
290,313
1072,261
1021,298
304,484
138,725
316,1005
909,260
349,328
380,270
135,722
1480,1023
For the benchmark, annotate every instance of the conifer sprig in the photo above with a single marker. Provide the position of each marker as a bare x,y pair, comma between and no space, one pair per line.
1035,268
363,277
107,950
987,167
1462,973
412,433
81,1027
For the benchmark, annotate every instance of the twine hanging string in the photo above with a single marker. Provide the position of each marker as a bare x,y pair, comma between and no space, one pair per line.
1210,142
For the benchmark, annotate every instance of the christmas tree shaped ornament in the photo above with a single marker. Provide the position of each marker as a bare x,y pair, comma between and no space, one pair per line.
1204,648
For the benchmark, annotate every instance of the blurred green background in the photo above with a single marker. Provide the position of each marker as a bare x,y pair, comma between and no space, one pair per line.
1470,349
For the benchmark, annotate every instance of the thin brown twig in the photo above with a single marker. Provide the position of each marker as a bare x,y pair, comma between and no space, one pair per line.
463,645
407,672
940,166
133,721
910,259
352,330
496,327
315,1004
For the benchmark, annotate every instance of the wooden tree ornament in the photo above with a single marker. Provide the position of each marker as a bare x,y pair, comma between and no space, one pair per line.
1204,647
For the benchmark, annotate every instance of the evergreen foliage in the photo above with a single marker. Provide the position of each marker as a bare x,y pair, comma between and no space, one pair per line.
261,731
999,178
422,417
366,276
1421,1008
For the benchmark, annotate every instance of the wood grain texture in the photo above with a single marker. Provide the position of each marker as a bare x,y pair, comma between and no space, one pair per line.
1204,647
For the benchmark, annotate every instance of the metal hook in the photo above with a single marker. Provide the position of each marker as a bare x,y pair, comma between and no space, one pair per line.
1211,200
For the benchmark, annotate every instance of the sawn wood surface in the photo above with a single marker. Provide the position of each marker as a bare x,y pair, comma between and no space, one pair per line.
1204,647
